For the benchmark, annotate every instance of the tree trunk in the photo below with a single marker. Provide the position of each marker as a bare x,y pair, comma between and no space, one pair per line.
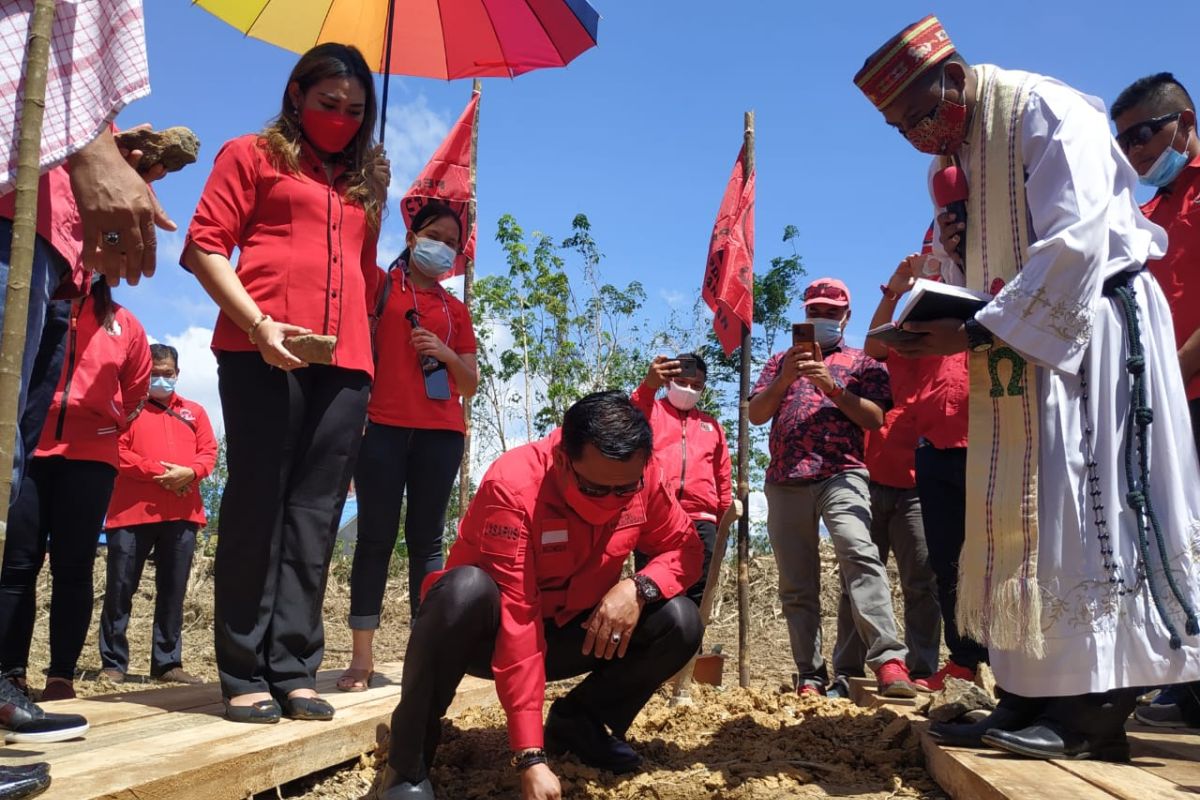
464,470
743,486
24,232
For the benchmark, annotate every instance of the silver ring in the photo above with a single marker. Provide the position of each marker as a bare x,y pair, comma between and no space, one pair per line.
616,638
112,238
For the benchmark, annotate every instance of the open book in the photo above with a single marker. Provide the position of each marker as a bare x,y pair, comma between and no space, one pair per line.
930,300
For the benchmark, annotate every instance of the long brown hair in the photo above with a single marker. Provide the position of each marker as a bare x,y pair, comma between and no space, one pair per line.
283,134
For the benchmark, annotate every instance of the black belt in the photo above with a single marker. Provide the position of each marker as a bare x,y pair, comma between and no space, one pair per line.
1123,278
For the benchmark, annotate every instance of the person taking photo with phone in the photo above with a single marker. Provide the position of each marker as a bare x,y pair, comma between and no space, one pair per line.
413,446
690,448
302,202
820,396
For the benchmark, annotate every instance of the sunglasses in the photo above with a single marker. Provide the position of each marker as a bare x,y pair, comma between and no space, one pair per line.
1141,133
596,490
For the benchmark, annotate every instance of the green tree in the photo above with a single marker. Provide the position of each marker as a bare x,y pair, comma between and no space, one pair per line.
211,489
550,330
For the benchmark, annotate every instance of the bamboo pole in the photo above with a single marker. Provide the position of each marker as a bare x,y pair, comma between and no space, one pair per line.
464,469
24,231
743,487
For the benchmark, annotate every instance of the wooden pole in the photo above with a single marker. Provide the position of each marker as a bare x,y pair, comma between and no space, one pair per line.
24,231
743,487
464,469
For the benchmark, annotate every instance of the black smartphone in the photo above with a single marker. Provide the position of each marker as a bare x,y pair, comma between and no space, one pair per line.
688,368
437,383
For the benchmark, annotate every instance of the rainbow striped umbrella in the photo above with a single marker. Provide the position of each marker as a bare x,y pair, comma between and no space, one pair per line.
425,38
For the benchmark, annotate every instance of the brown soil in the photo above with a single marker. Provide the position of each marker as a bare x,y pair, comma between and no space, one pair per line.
761,742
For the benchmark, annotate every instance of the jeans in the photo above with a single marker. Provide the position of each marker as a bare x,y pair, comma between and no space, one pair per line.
397,465
48,270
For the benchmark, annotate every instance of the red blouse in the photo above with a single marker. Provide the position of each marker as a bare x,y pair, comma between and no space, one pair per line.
304,248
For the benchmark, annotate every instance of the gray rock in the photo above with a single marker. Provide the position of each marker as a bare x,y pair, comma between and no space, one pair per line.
956,699
174,148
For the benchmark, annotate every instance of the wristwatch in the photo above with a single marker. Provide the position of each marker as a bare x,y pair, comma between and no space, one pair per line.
979,338
647,589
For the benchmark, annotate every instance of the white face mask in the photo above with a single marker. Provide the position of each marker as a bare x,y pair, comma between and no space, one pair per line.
828,332
682,397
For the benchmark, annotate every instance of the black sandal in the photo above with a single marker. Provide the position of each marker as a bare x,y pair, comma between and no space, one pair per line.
264,712
310,708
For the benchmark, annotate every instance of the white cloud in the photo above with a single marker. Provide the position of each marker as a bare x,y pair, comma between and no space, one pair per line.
414,132
673,297
198,371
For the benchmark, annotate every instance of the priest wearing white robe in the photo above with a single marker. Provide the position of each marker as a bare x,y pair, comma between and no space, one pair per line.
1083,528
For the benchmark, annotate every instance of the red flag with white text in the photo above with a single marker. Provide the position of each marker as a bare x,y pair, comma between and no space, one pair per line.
729,273
447,178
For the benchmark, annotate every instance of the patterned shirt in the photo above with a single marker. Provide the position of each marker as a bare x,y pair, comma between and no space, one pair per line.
811,439
97,66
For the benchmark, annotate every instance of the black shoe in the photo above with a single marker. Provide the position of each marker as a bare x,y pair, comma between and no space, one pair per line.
1053,740
26,780
570,731
310,708
264,712
389,786
1013,713
26,722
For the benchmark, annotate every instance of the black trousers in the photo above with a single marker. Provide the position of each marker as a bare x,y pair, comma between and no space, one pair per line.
395,465
707,531
454,635
173,543
61,506
942,486
291,440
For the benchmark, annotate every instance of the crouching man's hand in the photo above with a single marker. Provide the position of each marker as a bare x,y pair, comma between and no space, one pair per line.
540,783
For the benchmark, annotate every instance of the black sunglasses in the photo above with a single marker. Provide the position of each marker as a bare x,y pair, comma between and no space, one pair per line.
595,490
1142,132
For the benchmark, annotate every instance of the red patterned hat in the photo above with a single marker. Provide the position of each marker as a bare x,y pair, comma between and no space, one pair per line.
827,291
909,54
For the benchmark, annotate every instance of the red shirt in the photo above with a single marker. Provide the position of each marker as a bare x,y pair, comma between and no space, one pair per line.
58,223
1177,209
398,395
105,378
304,249
937,392
891,451
551,565
690,447
811,439
181,434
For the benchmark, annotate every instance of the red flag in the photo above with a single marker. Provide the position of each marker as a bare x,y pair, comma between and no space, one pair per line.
447,177
729,274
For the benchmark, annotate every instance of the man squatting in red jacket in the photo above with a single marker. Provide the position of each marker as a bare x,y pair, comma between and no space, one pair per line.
532,591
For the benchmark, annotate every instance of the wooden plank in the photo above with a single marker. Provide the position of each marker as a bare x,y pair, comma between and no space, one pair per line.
194,753
1178,762
862,692
983,775
1126,781
1173,742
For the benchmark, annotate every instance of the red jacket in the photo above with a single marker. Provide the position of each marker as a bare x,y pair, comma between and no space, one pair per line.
304,250
177,431
551,565
690,447
105,378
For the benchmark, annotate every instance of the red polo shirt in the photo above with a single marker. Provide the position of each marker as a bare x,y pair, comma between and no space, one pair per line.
304,248
398,395
551,564
1177,209
937,392
59,224
179,433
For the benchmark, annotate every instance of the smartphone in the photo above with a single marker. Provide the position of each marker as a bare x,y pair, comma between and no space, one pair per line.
437,383
688,368
804,335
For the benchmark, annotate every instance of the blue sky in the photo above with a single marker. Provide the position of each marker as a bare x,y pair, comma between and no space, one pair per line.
640,133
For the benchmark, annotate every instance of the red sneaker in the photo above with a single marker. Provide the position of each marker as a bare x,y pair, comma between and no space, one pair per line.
937,681
808,689
894,680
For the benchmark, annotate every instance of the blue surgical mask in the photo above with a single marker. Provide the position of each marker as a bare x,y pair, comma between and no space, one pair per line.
1166,167
432,257
162,388
828,332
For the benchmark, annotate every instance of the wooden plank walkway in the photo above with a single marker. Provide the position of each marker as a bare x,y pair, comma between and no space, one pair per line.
1165,766
174,743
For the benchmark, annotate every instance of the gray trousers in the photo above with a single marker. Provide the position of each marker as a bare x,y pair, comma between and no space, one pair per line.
793,513
896,527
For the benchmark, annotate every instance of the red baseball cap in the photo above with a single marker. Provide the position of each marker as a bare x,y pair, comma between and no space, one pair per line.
827,291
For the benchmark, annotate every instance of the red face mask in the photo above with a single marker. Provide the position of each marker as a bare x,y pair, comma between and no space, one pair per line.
328,131
943,131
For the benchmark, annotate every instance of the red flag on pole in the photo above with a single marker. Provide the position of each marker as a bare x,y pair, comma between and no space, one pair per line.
729,274
447,178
